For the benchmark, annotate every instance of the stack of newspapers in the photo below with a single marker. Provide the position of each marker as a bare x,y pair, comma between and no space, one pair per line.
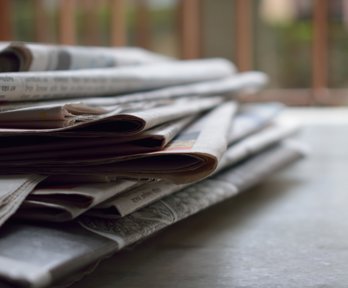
102,147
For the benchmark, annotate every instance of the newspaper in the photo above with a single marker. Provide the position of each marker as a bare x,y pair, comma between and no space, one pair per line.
30,86
16,148
229,86
192,155
12,108
257,142
3,44
123,123
19,56
134,199
45,207
49,113
14,189
37,256
61,203
250,119
188,201
253,117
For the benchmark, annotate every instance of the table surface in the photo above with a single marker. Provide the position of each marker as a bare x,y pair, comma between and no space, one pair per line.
289,231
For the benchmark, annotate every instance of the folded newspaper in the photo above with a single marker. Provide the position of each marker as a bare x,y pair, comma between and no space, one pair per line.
60,203
54,202
34,255
20,56
192,155
119,121
31,86
117,153
230,86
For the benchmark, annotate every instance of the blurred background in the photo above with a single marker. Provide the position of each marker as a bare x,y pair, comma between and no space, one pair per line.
301,44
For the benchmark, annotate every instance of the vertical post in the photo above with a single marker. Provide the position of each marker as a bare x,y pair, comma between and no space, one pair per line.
320,50
5,20
118,23
90,22
67,27
41,27
190,32
143,38
243,16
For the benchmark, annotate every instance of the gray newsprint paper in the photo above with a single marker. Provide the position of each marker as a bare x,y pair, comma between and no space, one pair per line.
250,119
257,142
31,111
19,56
49,113
228,86
13,190
192,155
60,203
30,86
39,255
120,122
134,199
190,200
13,148
252,116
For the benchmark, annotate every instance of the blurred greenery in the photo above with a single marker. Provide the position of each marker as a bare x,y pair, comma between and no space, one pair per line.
281,50
23,19
293,45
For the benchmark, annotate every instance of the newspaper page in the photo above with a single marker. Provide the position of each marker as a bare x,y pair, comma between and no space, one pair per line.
250,118
192,155
10,108
3,44
257,142
31,259
127,202
154,139
229,86
14,189
20,56
60,203
123,123
192,199
134,199
30,86
248,175
253,117
49,113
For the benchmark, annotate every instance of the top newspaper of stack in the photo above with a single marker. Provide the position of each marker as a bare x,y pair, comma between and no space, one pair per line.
19,56
98,74
60,101
30,86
